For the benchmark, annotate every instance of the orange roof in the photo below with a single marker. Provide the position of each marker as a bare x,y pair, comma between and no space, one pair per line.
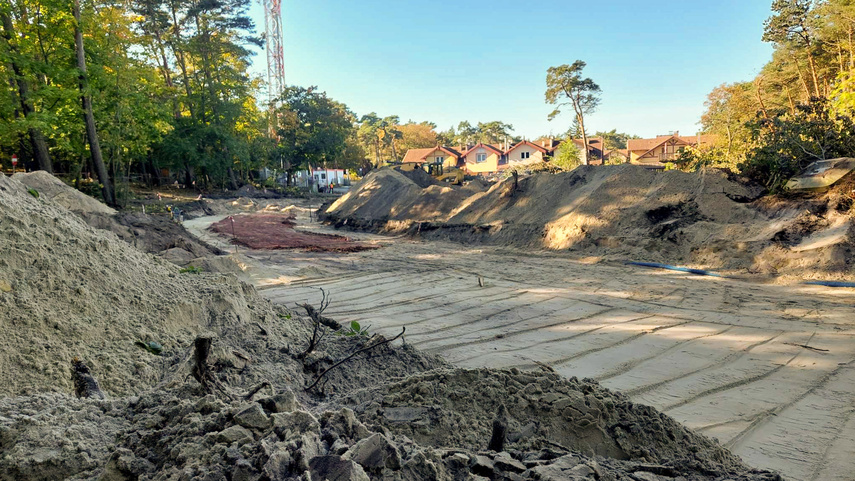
647,145
526,142
417,156
486,146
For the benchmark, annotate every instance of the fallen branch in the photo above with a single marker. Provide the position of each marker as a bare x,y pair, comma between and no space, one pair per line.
385,341
253,391
806,347
318,320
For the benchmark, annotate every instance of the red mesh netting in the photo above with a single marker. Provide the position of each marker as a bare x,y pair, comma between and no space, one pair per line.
276,231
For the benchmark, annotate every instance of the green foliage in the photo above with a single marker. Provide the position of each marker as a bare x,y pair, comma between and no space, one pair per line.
613,139
33,192
538,167
191,270
354,329
787,143
314,130
568,156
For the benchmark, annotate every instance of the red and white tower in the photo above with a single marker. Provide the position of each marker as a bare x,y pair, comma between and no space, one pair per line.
275,61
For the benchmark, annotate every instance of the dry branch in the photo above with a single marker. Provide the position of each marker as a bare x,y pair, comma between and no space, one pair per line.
364,349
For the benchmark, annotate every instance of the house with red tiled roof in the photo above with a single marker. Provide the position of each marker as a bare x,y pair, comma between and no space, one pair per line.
523,153
655,152
482,159
439,155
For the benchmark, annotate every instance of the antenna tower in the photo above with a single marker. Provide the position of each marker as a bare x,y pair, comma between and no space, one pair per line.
275,62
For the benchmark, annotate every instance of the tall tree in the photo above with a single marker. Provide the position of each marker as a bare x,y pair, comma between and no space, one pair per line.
86,100
418,136
466,133
494,132
314,129
565,86
37,139
791,26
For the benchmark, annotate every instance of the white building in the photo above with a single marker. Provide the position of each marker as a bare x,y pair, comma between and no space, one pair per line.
322,177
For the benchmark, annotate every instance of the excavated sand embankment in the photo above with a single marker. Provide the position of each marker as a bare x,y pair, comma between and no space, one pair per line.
705,219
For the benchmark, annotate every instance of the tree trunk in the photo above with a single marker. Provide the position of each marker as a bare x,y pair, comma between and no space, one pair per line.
584,140
40,150
91,133
233,183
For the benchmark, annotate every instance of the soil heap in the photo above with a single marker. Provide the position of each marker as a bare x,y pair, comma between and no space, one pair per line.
70,290
707,219
56,190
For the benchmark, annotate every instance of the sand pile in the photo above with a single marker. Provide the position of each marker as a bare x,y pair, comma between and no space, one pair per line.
705,219
390,195
407,430
56,190
67,289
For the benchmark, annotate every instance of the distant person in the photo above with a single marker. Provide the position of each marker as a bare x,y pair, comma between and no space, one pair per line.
332,188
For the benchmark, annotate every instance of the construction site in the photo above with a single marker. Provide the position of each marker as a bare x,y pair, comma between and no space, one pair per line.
607,323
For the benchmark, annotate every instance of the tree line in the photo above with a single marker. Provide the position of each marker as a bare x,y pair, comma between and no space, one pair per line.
799,108
123,89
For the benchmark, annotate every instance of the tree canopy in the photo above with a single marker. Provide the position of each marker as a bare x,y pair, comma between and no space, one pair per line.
566,86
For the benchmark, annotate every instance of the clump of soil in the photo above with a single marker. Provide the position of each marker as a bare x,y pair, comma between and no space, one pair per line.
276,231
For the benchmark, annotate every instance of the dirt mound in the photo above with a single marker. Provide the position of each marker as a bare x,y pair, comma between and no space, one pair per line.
276,231
389,195
56,190
419,176
71,290
707,219
179,434
456,408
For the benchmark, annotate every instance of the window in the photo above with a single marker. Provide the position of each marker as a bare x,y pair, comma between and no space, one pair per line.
439,159
323,176
525,155
481,156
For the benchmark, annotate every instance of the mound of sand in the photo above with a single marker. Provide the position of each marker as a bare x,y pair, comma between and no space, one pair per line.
71,290
456,408
705,219
390,195
56,190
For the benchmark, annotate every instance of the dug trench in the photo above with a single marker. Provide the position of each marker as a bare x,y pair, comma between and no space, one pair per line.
73,294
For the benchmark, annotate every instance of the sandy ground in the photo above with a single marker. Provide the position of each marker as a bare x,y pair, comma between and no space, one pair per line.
768,370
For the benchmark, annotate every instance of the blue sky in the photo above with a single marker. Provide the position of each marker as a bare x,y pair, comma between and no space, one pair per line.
447,61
